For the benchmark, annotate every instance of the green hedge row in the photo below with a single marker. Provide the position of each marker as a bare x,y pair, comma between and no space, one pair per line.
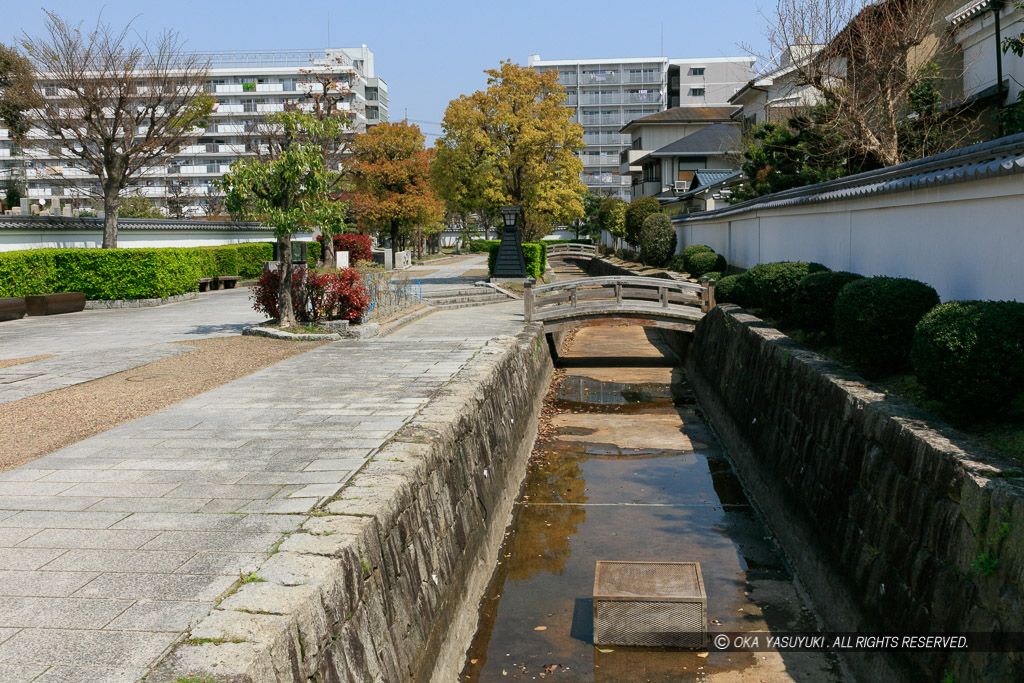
482,246
106,274
535,254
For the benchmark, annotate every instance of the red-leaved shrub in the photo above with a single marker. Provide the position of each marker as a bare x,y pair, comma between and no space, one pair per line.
333,294
352,296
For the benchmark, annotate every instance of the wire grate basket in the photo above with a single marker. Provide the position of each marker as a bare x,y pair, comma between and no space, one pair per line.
650,604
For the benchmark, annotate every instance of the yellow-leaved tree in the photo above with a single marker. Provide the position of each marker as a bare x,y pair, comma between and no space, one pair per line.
513,144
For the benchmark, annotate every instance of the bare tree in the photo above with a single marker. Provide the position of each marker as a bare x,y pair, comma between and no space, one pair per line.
868,61
113,107
180,199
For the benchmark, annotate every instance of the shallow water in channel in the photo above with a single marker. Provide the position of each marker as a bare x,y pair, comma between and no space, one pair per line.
629,470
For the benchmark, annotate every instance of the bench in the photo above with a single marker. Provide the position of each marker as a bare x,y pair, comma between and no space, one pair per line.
227,281
12,308
205,283
54,304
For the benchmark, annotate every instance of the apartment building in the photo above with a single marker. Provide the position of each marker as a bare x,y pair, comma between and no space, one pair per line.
245,84
606,94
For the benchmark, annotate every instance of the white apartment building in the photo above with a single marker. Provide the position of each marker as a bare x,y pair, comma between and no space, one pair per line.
246,84
606,94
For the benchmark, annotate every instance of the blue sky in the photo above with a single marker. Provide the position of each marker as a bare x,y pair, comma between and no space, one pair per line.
428,52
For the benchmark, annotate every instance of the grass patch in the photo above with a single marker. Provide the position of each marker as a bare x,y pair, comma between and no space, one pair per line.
249,578
213,641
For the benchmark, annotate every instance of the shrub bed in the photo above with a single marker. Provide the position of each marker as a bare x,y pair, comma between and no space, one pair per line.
339,294
535,254
814,301
875,319
482,246
970,354
358,246
704,262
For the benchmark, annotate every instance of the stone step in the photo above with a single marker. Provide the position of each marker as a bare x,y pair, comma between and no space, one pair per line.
437,301
470,291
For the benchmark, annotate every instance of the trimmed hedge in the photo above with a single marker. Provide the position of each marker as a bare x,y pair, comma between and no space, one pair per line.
535,254
676,264
482,246
875,319
773,284
106,274
704,262
636,213
688,253
970,354
814,301
736,289
714,275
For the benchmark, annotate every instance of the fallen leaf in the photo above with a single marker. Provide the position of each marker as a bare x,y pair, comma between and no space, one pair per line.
603,650
702,655
541,628
473,661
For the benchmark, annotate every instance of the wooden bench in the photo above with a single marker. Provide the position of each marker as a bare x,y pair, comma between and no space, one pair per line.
206,283
227,281
54,304
12,308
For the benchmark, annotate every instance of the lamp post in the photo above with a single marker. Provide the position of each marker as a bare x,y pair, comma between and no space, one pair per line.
510,264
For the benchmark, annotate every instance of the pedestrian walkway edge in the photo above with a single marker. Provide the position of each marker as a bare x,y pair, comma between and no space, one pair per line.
383,583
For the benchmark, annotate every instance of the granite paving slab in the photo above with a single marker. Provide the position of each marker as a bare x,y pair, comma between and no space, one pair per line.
110,548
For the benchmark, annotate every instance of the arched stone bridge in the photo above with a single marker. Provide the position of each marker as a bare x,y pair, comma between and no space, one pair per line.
579,251
617,300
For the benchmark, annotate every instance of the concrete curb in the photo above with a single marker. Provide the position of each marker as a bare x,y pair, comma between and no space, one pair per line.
140,303
383,584
290,336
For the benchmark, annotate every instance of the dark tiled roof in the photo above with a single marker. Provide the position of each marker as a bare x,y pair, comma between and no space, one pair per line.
719,138
64,223
685,115
1002,157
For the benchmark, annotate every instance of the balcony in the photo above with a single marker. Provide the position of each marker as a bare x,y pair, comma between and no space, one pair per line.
607,180
606,139
627,160
270,107
602,120
639,97
645,77
601,77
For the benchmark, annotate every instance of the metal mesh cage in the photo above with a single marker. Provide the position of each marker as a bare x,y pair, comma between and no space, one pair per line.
650,604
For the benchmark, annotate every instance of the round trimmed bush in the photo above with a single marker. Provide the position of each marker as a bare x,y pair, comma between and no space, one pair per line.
970,354
735,289
676,264
704,262
636,213
814,301
713,275
657,240
775,283
875,319
689,251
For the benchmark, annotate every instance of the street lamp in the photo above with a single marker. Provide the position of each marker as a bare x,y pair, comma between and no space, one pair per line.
509,214
509,264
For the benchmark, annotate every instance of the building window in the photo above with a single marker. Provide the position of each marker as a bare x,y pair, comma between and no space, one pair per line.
696,92
697,71
638,143
652,172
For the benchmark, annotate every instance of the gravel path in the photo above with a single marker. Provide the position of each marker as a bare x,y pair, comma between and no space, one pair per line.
35,426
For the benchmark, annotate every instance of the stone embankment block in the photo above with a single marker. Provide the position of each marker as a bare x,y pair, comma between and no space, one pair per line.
883,510
383,583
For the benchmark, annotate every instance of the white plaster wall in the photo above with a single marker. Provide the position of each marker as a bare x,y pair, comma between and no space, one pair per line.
962,239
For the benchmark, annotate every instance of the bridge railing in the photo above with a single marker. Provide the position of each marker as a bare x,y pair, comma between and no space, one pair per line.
627,292
571,249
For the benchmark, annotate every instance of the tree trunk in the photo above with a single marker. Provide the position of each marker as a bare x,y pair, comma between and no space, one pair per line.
327,257
394,241
284,290
111,205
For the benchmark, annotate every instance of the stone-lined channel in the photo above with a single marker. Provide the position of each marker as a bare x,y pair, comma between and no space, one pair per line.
626,469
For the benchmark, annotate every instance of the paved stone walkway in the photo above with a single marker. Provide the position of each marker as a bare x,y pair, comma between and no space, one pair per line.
447,274
111,547
75,367
213,314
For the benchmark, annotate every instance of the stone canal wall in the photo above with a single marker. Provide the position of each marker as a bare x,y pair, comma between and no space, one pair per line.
891,519
384,583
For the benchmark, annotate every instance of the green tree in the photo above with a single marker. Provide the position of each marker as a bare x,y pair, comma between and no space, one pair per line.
1011,118
612,217
636,213
804,150
138,206
589,224
288,190
513,144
